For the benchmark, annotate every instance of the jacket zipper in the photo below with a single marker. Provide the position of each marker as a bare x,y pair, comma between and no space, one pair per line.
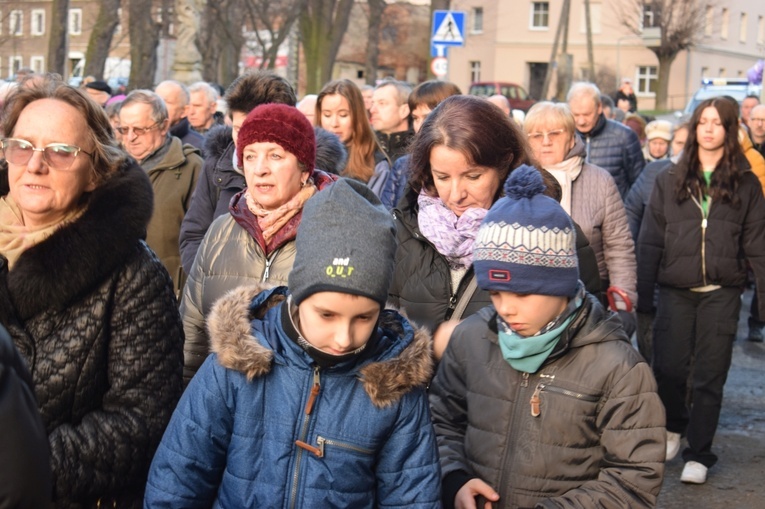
267,270
322,441
535,400
704,223
510,447
315,388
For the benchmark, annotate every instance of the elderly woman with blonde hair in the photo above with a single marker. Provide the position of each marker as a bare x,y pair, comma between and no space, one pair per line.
592,199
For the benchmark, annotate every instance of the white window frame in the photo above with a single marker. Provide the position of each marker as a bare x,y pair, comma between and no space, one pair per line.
16,22
38,18
539,9
476,26
724,24
37,64
644,76
74,21
475,71
760,29
744,21
12,68
709,26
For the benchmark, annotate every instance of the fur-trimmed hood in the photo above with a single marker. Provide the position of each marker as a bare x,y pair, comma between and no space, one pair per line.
79,256
402,360
217,140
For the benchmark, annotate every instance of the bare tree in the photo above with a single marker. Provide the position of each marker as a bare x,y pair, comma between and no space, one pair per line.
376,8
59,28
682,24
276,18
144,38
100,41
322,26
220,40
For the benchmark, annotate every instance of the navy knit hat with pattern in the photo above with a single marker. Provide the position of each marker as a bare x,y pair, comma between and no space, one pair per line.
526,243
346,243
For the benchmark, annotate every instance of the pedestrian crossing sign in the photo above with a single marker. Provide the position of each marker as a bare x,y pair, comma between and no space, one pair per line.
448,28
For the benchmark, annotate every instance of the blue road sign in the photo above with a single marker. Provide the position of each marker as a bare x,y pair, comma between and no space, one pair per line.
448,28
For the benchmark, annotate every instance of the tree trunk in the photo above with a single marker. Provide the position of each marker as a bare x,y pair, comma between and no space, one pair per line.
59,31
101,39
144,38
322,26
662,86
219,43
376,8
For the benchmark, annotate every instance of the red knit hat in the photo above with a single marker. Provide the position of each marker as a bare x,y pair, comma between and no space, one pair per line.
280,124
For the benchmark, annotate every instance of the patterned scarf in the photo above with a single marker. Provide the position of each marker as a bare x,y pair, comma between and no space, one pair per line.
15,238
271,221
452,236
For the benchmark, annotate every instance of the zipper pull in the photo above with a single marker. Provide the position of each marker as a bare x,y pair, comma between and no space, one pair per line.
525,382
321,441
266,271
314,392
310,448
704,223
536,411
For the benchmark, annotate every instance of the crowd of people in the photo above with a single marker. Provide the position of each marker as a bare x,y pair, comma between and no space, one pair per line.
372,297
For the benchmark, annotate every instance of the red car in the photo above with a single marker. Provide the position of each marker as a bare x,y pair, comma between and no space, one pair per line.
516,94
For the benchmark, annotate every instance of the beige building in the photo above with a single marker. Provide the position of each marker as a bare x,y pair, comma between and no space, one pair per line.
512,41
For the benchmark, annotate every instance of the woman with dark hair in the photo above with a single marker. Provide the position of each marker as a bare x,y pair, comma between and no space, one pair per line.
461,156
89,306
705,219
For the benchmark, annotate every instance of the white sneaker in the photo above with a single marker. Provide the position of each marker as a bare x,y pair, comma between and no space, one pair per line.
673,444
694,473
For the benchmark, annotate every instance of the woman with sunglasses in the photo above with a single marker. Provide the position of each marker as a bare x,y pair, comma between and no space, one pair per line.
87,303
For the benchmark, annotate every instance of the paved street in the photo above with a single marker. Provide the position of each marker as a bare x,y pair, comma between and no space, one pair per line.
738,479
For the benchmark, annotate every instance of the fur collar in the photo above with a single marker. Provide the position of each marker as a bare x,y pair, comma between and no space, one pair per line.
77,258
231,338
217,141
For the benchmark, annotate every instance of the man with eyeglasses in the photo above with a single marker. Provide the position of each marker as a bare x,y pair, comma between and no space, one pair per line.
173,168
757,128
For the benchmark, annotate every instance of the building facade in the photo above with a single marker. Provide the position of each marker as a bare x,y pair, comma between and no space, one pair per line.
512,40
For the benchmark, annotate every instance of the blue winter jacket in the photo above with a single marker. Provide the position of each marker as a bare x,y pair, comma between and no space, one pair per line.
616,148
364,425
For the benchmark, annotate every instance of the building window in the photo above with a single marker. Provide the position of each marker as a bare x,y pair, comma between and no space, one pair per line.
14,64
648,16
38,21
742,28
760,30
595,9
722,72
475,71
724,21
710,21
16,23
647,78
37,64
540,15
477,20
75,21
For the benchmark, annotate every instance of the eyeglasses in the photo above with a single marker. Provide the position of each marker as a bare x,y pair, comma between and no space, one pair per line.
553,136
139,131
753,119
58,156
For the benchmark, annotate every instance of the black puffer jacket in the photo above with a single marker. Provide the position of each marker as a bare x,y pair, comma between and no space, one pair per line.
616,148
217,184
422,282
92,310
673,250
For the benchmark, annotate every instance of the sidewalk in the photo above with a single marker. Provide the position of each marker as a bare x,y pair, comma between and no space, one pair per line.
738,479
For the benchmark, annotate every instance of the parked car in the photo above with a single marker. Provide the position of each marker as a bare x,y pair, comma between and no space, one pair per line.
738,88
516,94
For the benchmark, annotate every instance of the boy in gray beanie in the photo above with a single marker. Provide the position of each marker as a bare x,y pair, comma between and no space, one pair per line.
313,396
539,400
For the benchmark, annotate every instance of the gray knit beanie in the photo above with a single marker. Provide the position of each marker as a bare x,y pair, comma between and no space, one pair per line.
345,243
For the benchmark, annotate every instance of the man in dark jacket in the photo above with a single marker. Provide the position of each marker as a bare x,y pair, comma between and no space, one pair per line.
176,97
609,144
25,474
390,118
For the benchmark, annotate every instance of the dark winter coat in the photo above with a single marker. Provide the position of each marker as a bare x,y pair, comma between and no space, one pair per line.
92,310
640,194
422,282
395,145
187,135
25,476
365,423
598,440
218,183
615,148
674,250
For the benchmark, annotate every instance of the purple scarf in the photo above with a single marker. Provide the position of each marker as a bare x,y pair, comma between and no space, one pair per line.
452,236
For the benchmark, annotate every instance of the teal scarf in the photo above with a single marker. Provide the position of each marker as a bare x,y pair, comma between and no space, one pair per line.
528,354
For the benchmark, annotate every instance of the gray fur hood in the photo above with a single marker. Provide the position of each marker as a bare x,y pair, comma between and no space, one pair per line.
399,364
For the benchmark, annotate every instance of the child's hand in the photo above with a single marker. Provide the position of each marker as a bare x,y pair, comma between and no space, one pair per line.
441,337
465,498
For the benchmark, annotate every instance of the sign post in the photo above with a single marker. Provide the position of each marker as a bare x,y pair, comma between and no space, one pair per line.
448,30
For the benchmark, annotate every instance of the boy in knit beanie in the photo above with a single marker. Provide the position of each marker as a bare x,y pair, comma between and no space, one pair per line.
539,400
312,396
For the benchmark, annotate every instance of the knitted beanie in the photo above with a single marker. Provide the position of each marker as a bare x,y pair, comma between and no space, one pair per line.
659,129
345,243
526,243
280,124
